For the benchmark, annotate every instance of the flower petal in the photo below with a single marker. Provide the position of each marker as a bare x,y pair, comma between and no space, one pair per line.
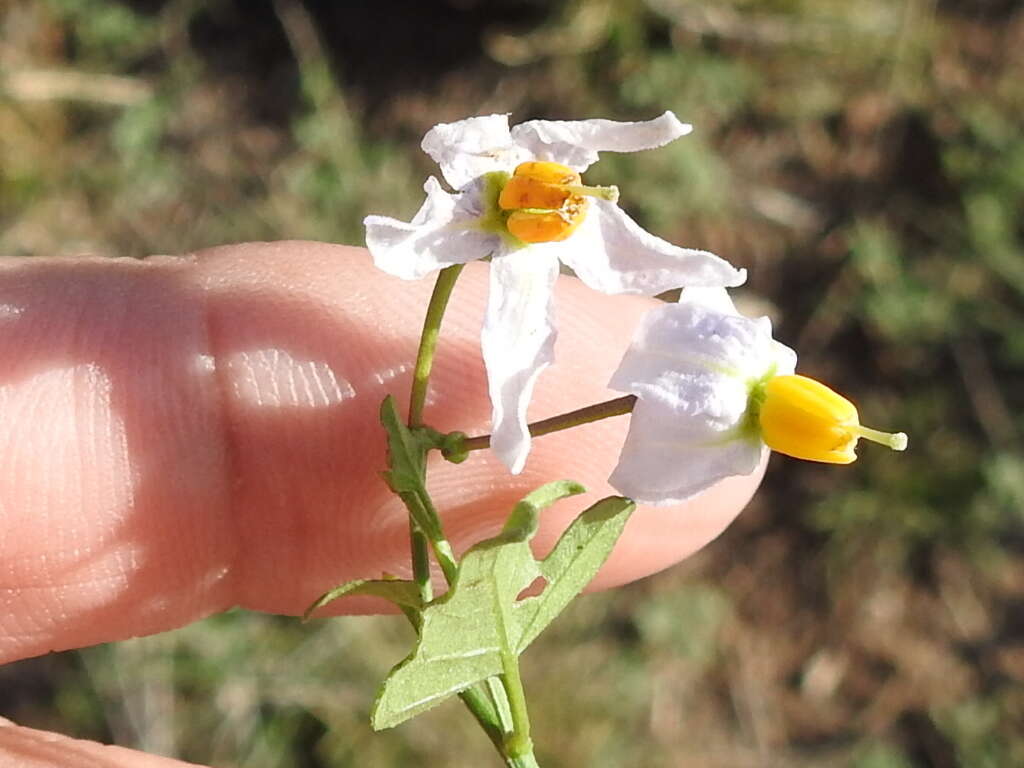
472,147
776,354
576,142
611,253
784,359
717,299
668,458
518,343
699,360
442,233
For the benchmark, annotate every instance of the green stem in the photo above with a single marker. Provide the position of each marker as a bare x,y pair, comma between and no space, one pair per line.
496,692
518,744
419,547
522,761
607,409
476,701
428,340
421,507
442,549
485,712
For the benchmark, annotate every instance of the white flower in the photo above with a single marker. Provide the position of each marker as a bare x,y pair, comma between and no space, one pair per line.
714,393
583,228
694,367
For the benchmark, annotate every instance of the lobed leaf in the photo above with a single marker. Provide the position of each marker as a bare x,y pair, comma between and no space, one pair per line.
404,594
572,563
466,632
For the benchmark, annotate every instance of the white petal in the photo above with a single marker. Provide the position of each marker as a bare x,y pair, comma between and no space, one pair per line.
668,457
697,360
576,143
721,400
717,299
470,148
518,343
442,233
784,359
611,253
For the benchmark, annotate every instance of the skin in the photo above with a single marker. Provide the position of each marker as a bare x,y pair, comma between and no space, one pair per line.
182,435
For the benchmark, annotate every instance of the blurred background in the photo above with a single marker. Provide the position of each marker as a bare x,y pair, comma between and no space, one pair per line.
864,160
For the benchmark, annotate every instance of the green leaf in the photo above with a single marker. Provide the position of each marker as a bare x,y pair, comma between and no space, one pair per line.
573,562
463,633
466,631
404,594
407,460
406,455
522,523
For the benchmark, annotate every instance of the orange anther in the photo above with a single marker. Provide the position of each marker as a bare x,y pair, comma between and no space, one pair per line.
528,192
547,227
543,208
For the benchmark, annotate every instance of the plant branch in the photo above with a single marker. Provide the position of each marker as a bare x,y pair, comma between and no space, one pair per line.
607,409
428,340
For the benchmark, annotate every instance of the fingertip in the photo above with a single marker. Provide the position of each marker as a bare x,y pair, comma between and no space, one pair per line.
31,748
657,538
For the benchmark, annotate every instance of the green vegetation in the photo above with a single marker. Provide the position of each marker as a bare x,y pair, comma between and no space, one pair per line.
865,159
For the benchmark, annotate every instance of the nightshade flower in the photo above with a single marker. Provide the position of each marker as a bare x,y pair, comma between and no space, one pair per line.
520,199
714,392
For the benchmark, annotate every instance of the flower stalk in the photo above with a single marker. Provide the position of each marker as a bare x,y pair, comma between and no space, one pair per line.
617,407
428,340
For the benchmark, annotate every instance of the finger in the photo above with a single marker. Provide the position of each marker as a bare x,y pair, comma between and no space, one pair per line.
181,436
29,748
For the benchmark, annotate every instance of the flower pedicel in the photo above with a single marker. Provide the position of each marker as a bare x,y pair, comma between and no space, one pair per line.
521,200
714,392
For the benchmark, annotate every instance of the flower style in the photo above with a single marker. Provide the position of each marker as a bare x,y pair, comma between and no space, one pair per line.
714,392
520,199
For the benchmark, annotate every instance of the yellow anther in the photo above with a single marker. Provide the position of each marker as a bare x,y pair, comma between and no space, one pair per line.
546,171
543,226
546,201
529,192
803,418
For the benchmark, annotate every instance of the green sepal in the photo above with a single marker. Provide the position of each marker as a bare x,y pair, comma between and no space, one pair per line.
404,594
466,631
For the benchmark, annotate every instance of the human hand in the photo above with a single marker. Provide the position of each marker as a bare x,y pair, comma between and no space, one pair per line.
185,435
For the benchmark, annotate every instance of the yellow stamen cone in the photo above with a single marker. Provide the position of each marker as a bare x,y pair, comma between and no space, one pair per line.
803,418
546,201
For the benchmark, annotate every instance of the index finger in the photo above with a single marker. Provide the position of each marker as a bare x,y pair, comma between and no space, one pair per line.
184,435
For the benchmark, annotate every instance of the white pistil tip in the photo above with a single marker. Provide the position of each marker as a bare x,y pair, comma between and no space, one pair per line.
895,440
611,194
